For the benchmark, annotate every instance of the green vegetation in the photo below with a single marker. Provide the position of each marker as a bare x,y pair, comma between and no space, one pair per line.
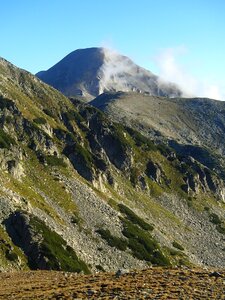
141,141
54,161
40,121
39,178
134,173
75,219
206,208
134,218
177,245
120,135
220,225
155,189
164,149
9,119
27,189
39,184
221,228
214,218
60,256
73,115
113,241
5,140
84,153
48,112
177,257
100,268
7,250
143,245
9,253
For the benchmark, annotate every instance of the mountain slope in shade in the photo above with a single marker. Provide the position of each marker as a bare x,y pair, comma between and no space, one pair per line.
90,72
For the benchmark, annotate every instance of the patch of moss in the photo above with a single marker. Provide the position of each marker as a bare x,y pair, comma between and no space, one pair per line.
134,218
60,255
113,241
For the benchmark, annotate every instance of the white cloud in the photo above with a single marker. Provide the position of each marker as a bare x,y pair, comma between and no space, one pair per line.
170,69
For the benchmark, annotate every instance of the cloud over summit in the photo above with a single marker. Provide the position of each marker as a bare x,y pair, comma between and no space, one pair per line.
171,69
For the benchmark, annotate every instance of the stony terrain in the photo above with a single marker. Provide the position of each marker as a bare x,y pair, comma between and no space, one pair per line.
154,283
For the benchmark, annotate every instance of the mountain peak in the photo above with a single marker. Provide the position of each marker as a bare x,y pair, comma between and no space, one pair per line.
92,71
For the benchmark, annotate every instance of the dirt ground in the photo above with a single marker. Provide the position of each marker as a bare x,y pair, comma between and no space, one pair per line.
153,283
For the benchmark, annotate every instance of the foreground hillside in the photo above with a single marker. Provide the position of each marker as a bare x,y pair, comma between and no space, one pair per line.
81,193
155,283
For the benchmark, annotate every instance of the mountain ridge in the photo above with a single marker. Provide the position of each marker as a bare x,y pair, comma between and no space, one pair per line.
177,118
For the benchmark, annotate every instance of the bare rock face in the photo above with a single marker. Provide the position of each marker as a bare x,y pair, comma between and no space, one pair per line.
90,72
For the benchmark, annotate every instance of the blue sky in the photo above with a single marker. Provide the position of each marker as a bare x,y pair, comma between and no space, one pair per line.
183,41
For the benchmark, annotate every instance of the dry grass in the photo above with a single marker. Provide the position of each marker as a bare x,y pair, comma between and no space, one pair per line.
154,283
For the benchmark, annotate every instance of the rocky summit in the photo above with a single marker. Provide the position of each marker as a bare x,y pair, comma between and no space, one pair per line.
92,71
86,190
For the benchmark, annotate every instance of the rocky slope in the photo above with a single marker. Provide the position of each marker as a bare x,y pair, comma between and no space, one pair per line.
90,72
82,193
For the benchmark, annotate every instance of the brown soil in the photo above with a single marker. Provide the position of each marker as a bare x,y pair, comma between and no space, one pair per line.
154,283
